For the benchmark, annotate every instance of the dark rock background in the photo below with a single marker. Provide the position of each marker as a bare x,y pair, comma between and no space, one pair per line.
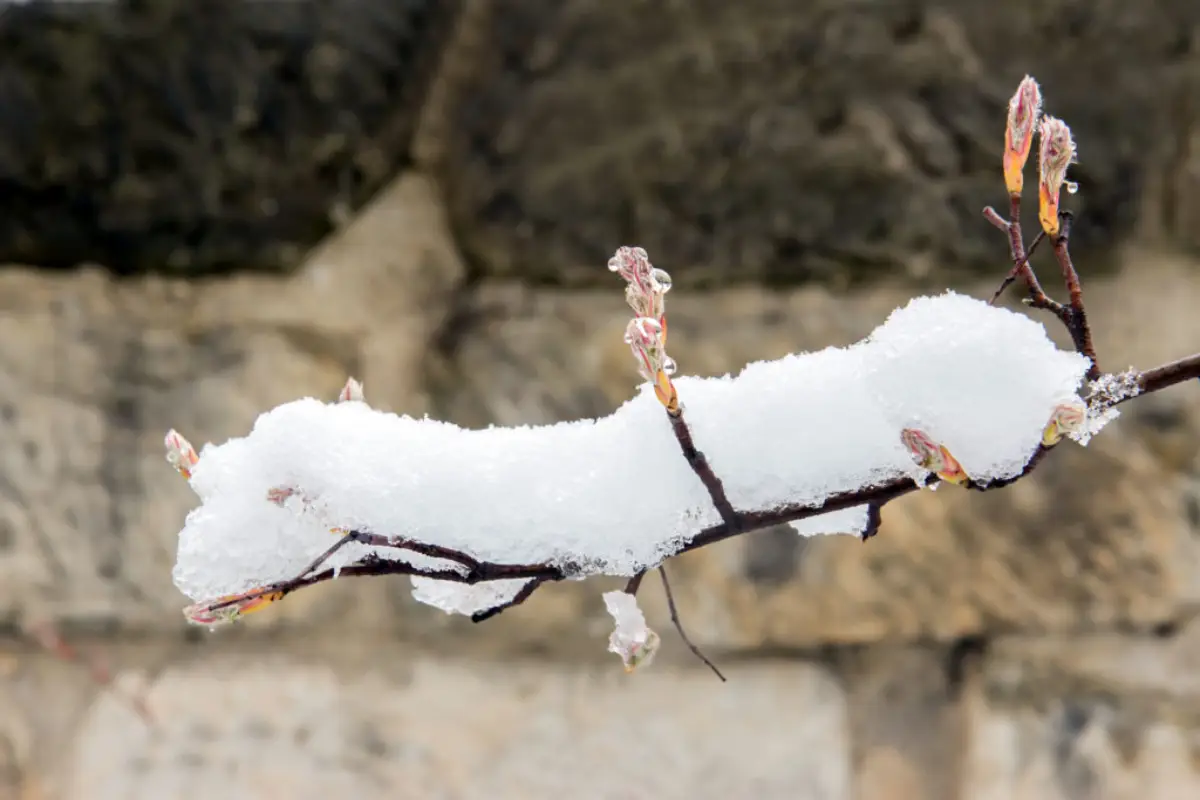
199,136
759,141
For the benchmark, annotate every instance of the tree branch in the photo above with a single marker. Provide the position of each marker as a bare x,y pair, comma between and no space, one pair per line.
699,465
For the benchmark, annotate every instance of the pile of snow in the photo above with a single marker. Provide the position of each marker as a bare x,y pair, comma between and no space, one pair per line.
614,495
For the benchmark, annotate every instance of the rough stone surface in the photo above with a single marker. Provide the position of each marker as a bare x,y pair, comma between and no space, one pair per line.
189,137
253,725
1106,716
786,141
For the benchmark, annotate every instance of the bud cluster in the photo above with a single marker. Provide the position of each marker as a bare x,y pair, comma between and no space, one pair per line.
646,333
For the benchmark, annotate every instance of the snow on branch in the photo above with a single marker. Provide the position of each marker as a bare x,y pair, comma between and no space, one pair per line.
947,389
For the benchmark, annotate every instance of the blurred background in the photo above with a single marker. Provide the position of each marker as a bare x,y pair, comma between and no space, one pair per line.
210,207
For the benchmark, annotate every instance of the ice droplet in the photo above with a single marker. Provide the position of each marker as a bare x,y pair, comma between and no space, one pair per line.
668,365
662,279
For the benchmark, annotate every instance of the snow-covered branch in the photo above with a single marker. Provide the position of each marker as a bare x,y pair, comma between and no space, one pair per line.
947,389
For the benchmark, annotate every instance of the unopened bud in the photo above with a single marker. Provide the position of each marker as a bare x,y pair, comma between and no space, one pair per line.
1057,153
1067,418
352,392
933,456
180,453
1023,111
230,607
644,336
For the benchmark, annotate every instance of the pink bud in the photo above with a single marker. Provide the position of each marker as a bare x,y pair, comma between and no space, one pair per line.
1067,418
230,607
932,456
180,453
1023,111
352,392
1057,153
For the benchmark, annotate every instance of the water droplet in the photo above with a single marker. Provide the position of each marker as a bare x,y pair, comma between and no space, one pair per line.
668,365
639,253
614,264
1072,187
662,279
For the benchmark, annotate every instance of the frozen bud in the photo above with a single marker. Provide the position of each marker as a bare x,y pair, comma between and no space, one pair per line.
1057,153
644,336
230,607
635,643
352,392
1023,112
1067,418
180,453
932,456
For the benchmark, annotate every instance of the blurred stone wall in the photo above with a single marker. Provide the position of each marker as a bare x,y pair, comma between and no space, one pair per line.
1037,642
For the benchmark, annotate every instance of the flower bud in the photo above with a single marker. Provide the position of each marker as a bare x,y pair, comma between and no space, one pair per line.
932,456
1066,419
1057,153
180,453
230,607
352,392
644,337
1023,111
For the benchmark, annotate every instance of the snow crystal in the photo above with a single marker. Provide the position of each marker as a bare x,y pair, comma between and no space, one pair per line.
614,495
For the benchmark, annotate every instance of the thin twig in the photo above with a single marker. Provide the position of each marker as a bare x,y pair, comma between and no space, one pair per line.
635,583
1081,332
662,571
700,465
1020,259
1015,272
518,598
874,520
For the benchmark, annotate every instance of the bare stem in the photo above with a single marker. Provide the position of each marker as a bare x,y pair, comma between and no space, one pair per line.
1081,332
662,571
700,465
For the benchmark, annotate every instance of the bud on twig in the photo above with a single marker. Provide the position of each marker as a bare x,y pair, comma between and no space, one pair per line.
644,337
180,453
1067,418
1057,153
230,607
646,334
932,456
1023,112
352,392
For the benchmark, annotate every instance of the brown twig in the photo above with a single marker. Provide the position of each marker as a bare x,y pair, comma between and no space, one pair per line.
700,465
662,571
874,520
520,597
1081,332
1020,259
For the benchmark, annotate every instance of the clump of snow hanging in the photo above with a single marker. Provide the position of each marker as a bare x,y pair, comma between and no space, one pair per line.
465,599
848,520
614,495
635,643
